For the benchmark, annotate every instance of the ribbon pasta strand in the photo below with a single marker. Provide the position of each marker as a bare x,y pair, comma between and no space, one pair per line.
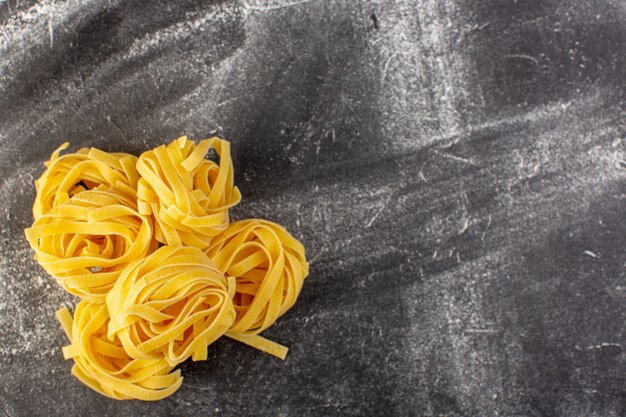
188,195
270,267
171,304
87,168
148,246
85,242
103,364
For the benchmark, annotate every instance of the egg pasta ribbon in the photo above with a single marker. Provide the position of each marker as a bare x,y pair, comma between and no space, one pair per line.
104,366
188,195
269,266
148,246
69,174
171,304
85,242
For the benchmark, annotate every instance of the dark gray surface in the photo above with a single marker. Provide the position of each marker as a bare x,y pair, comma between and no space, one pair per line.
455,169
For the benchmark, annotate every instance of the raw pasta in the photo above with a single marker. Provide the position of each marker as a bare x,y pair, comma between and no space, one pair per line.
148,246
188,195
269,266
104,366
68,175
85,242
171,304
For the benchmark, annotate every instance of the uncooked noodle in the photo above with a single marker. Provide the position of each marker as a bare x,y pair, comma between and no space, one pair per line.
171,304
85,242
188,195
269,266
103,364
69,174
148,246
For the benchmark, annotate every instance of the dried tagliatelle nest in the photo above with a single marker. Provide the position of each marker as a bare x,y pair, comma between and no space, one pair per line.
147,244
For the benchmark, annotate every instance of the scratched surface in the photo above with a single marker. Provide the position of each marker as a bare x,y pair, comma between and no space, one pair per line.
456,170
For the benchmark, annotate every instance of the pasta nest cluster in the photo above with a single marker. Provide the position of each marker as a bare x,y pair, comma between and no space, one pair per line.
148,246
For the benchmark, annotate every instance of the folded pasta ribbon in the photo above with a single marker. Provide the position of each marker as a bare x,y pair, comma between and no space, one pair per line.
148,245
269,266
85,242
104,366
188,195
171,304
87,168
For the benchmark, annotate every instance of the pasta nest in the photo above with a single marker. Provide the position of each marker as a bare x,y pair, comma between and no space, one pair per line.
70,174
171,304
86,242
269,266
103,364
188,195
100,219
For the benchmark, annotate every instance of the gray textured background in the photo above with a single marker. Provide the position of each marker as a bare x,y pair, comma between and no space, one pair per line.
456,170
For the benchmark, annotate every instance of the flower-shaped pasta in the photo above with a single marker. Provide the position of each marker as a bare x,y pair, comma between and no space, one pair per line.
171,304
104,366
86,169
85,242
188,195
269,265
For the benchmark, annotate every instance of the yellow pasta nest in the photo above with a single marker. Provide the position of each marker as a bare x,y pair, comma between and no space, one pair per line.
171,304
85,242
188,195
148,245
269,266
103,364
67,175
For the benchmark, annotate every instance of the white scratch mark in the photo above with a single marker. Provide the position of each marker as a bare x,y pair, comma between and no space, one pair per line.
456,158
479,331
318,255
199,388
465,226
421,174
482,238
603,345
333,133
591,254
155,84
275,7
230,100
51,33
385,69
524,56
380,210
52,121
435,253
481,27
